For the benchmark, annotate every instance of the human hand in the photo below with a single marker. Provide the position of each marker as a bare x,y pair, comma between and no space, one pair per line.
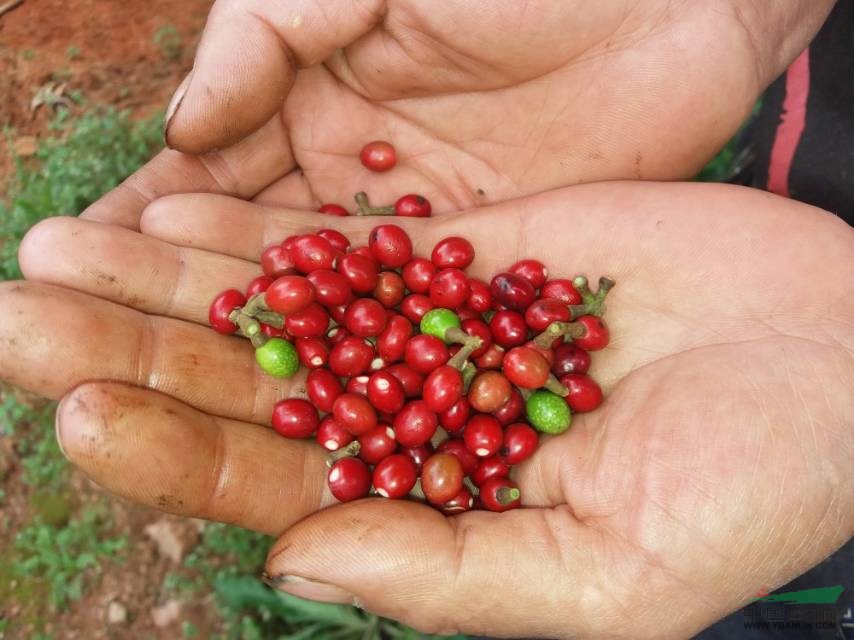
720,461
485,101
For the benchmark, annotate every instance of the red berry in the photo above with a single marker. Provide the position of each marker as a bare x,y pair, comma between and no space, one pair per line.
310,252
395,476
377,444
273,332
351,357
544,311
366,318
483,436
336,335
391,343
442,388
425,352
357,385
415,424
361,272
499,494
390,245
511,410
295,418
221,307
331,435
412,206
441,478
409,378
533,271
480,298
418,274
386,392
378,155
489,391
418,454
508,329
331,288
455,417
449,289
337,239
584,393
333,210
460,503
476,327
349,479
520,442
561,289
458,448
493,467
354,412
414,306
491,359
453,252
275,262
597,336
525,368
311,322
390,289
570,358
258,285
513,291
289,294
313,352
545,352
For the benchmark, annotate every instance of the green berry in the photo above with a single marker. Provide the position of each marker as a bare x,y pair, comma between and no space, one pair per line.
436,322
278,358
548,412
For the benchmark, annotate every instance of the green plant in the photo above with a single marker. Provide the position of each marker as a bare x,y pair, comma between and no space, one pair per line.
168,40
28,54
72,53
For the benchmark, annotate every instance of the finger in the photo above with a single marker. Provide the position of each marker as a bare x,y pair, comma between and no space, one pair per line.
242,169
156,451
247,60
130,268
485,573
53,339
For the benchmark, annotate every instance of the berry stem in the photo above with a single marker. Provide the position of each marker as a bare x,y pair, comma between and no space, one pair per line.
459,359
417,492
593,303
557,329
554,385
350,451
364,207
256,303
455,335
271,318
506,495
525,393
469,372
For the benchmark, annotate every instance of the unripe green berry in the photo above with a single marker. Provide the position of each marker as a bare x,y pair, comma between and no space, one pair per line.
278,357
436,322
548,412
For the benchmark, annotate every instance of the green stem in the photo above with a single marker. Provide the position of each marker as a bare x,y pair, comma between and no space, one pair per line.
554,385
256,303
458,360
506,495
271,318
593,304
350,451
557,329
364,207
469,372
455,335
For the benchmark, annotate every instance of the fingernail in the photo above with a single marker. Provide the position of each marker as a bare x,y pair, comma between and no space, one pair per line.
308,589
175,104
57,428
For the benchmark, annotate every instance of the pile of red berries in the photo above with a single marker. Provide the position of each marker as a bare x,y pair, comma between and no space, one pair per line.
422,381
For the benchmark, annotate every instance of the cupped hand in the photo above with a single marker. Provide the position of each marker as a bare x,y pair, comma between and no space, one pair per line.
719,463
484,101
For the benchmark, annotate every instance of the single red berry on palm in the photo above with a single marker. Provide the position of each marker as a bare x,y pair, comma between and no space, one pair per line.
454,418
570,358
366,318
386,392
415,305
508,328
354,412
357,385
418,274
361,272
477,327
511,410
442,388
561,289
520,442
449,289
322,387
351,357
311,322
480,297
378,155
525,368
415,424
411,380
333,210
500,494
309,252
412,206
489,391
337,239
395,476
493,467
460,503
313,352
418,454
295,418
331,288
377,444
533,271
391,343
584,393
441,478
544,311
289,294
258,285
275,262
390,245
491,359
331,435
458,448
483,435
221,308
513,291
597,334
425,352
390,289
453,252
349,479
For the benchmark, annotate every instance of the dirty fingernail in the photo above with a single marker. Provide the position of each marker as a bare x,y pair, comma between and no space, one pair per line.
308,589
175,103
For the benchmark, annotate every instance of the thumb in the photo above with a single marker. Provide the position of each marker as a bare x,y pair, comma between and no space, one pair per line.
246,63
520,573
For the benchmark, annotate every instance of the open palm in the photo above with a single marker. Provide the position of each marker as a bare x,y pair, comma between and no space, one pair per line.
721,461
484,101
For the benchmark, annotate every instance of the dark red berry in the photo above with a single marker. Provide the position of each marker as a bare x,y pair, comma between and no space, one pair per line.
390,289
377,444
395,476
349,479
390,245
544,311
418,454
442,388
415,424
483,435
561,289
441,478
460,503
386,392
310,252
533,271
480,298
378,155
289,294
361,272
412,206
489,391
313,352
449,289
513,291
545,352
333,210
499,494
357,385
493,467
273,332
508,329
525,368
511,410
311,322
336,335
453,252
354,412
597,335
570,358
477,327
454,418
491,359
391,343
425,352
415,305
221,307
520,442
337,239
295,418
458,448
258,285
366,318
351,357
275,262
418,274
331,435
584,393
331,288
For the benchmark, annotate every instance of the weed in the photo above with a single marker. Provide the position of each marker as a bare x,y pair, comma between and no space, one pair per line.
168,41
72,53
